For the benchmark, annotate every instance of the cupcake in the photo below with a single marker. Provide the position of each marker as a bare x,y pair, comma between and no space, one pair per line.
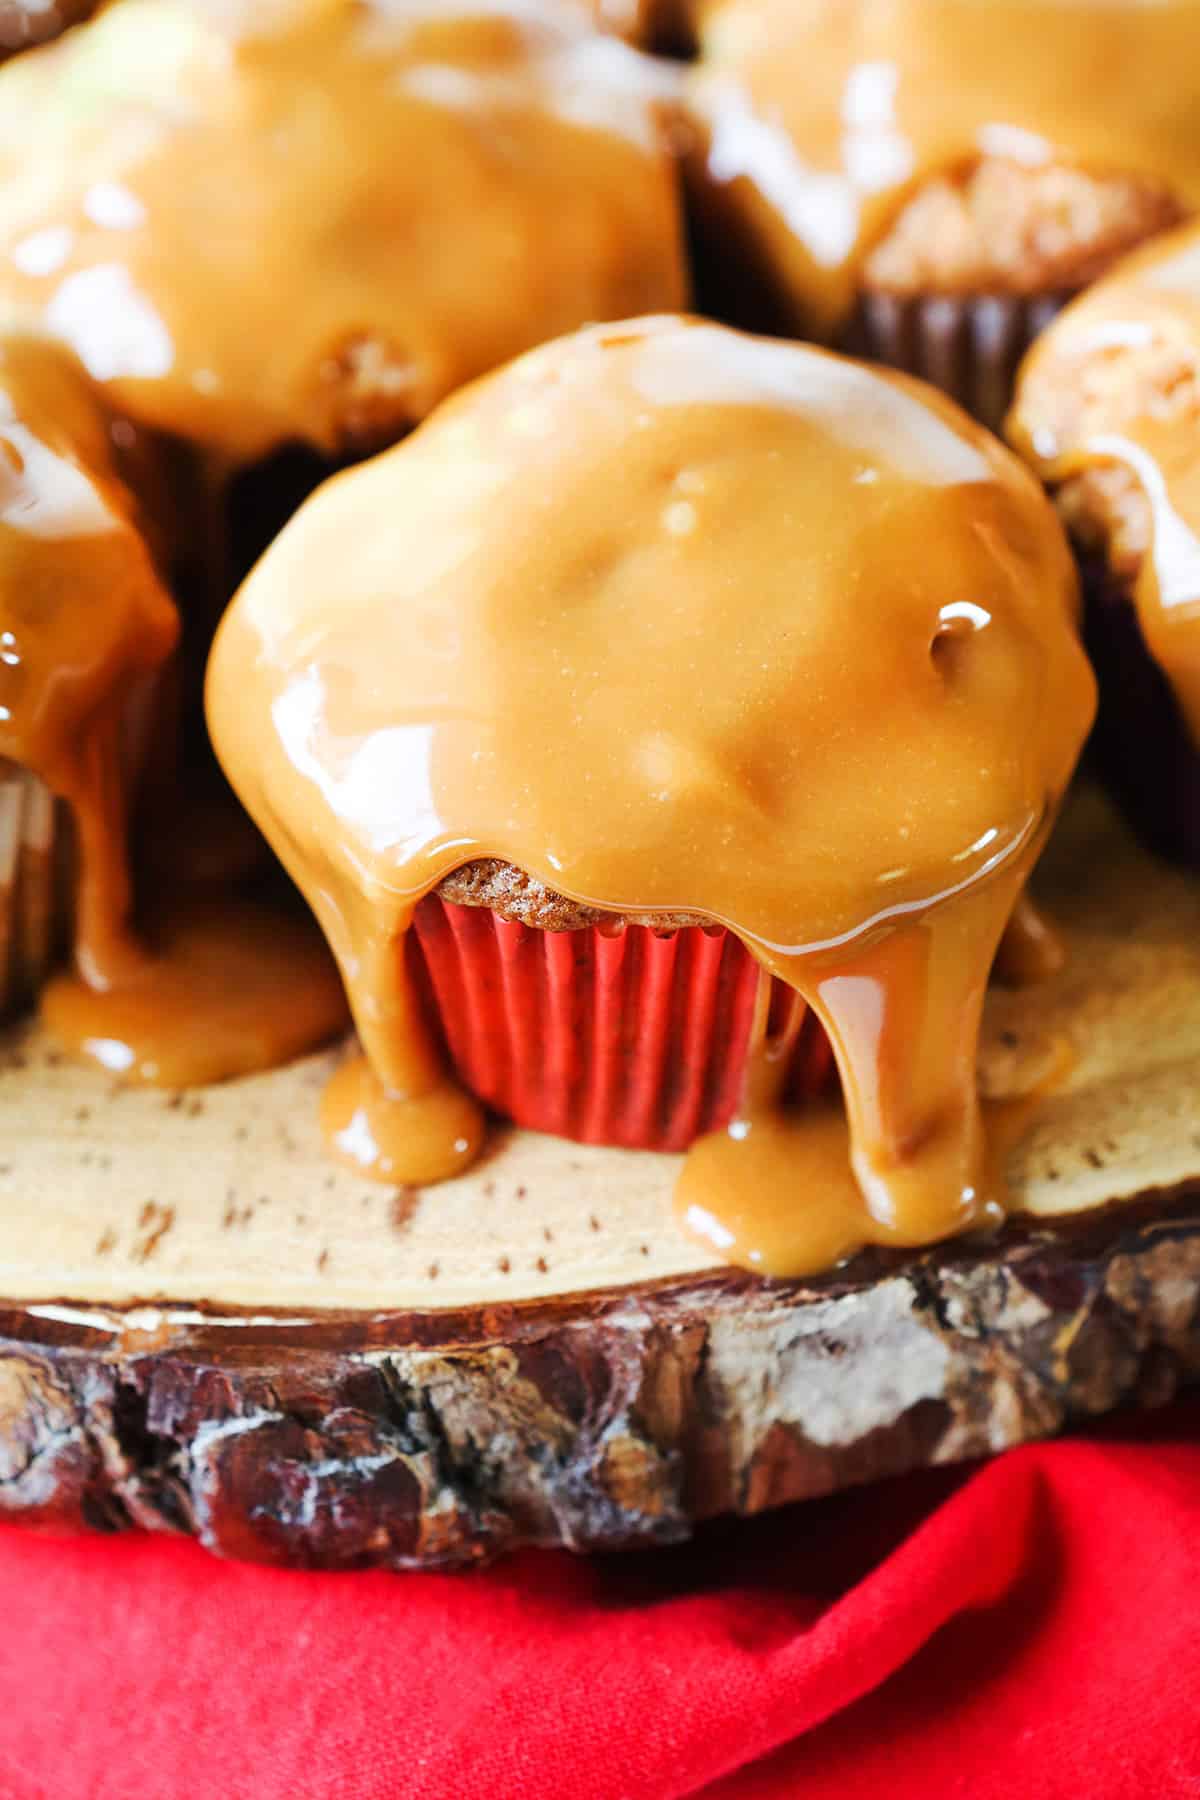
673,711
926,181
306,222
86,625
1108,412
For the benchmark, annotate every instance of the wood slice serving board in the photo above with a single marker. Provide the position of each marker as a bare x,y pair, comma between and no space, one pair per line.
206,1329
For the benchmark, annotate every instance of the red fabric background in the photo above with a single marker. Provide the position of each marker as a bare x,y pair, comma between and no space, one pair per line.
1029,1628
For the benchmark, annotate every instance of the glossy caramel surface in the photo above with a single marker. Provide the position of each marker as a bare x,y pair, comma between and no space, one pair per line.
681,620
259,221
175,991
820,117
221,989
85,623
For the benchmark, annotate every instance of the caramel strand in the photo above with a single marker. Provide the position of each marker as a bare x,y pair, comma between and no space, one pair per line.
87,632
86,625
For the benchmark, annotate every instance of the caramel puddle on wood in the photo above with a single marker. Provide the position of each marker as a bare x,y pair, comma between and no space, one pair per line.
228,988
810,1153
262,1221
909,1160
794,1207
395,1114
430,1135
776,1190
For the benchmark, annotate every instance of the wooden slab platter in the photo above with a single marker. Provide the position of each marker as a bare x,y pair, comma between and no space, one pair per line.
207,1329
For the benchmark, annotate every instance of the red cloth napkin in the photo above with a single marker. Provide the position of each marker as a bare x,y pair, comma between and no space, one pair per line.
1029,1628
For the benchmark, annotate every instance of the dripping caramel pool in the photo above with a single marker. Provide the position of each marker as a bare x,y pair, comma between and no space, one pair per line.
222,1197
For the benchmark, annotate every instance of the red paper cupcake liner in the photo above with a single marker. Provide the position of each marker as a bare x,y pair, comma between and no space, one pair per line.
970,346
636,1038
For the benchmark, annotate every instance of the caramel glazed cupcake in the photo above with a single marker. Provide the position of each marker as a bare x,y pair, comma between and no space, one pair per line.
1108,412
407,193
926,181
668,700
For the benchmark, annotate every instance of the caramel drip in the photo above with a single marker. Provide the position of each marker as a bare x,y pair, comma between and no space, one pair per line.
679,620
775,1190
902,1014
266,221
824,116
404,1138
86,623
86,631
223,989
1149,307
903,1018
392,1114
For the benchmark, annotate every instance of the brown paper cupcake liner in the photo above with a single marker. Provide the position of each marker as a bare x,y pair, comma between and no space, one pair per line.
35,885
38,845
1140,746
970,346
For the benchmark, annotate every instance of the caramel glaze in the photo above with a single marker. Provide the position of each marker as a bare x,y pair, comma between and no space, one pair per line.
85,625
383,197
87,629
221,988
1149,308
678,620
270,221
829,114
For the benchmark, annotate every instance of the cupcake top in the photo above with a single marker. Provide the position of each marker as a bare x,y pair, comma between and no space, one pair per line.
1108,412
260,221
84,617
946,146
679,621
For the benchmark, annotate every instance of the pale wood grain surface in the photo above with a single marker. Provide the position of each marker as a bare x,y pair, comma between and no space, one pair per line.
114,1196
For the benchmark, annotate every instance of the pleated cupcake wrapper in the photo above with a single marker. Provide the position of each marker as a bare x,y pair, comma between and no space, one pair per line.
38,851
35,857
1141,747
638,1038
969,346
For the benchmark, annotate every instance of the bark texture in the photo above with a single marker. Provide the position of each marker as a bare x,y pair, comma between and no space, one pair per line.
620,1418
